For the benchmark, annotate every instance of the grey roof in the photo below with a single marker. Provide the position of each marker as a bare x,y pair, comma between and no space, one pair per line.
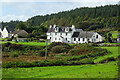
83,34
9,29
50,30
20,32
75,34
0,25
61,29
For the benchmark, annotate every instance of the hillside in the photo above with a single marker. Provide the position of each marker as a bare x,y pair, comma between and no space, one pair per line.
85,18
103,17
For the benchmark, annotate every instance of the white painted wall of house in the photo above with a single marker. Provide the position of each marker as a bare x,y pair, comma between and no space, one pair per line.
57,37
77,41
60,37
5,33
95,39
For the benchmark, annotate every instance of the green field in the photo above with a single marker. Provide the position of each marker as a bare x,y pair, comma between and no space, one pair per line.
114,51
111,43
29,43
106,70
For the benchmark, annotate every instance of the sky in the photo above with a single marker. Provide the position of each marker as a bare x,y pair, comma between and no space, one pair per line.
22,10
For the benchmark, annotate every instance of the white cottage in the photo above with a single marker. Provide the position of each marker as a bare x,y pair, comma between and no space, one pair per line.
6,33
71,35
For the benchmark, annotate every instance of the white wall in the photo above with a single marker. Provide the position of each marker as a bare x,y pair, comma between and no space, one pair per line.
60,37
95,39
57,37
5,33
81,40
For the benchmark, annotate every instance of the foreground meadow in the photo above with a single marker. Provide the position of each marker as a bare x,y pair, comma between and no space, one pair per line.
104,70
109,70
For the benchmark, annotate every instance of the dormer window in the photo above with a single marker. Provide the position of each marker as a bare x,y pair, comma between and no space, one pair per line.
66,34
56,29
67,29
96,36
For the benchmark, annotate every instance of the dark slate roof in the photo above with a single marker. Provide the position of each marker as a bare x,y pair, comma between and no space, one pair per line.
0,25
61,29
21,32
83,34
50,30
9,29
75,34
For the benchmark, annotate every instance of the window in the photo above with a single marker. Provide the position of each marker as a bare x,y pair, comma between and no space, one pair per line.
83,39
96,36
78,39
66,38
55,38
55,33
50,37
66,34
59,38
74,39
60,33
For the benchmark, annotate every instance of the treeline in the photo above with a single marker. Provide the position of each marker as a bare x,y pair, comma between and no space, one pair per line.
11,24
85,18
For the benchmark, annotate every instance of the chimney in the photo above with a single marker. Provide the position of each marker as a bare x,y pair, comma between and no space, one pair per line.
73,26
54,26
50,26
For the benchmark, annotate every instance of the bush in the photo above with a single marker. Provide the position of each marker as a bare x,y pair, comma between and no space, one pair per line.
7,44
5,55
57,44
14,55
60,49
19,47
89,50
16,64
16,47
87,61
108,59
41,53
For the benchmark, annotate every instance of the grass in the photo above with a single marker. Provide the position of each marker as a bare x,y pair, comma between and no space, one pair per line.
111,43
30,43
108,70
114,51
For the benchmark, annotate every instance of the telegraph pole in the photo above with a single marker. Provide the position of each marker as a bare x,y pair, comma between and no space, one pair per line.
46,50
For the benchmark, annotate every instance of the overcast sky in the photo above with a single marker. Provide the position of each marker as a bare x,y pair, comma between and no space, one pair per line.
24,9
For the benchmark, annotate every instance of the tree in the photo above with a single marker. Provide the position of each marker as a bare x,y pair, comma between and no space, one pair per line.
21,26
108,37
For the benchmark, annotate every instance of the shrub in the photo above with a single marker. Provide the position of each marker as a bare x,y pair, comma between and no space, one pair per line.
16,64
5,55
60,49
106,60
7,44
14,55
83,49
57,44
41,53
87,61
16,47
19,47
